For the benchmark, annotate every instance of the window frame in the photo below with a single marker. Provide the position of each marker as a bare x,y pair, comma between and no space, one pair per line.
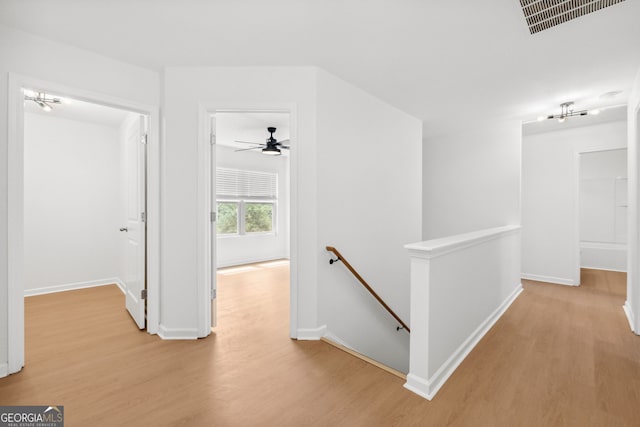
238,211
241,202
244,186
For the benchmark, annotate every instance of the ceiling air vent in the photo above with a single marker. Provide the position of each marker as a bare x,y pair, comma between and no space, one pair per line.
544,14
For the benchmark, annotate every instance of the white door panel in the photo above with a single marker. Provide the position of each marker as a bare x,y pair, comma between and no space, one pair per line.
135,173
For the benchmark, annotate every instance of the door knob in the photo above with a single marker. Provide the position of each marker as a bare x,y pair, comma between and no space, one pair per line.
124,229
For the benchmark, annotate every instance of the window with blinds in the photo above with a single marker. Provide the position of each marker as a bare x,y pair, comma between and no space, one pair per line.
245,184
246,201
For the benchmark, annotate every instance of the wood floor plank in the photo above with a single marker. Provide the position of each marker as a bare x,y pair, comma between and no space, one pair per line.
559,356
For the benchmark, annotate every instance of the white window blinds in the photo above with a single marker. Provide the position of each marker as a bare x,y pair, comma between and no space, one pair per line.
240,184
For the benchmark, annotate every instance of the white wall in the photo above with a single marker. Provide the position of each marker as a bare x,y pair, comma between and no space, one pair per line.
550,235
235,250
72,207
25,54
603,210
369,199
460,286
232,88
471,180
632,305
343,193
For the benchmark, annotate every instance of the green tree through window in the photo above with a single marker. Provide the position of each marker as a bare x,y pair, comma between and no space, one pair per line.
227,221
258,217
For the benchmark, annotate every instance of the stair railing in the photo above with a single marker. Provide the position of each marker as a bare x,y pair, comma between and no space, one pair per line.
367,287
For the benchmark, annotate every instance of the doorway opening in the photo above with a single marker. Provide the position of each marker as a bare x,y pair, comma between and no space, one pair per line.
84,198
602,219
251,198
81,165
602,195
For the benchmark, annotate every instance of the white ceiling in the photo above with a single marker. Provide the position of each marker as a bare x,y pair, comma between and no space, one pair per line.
447,62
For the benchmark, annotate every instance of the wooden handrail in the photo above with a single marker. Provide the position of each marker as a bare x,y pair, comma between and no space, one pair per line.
366,285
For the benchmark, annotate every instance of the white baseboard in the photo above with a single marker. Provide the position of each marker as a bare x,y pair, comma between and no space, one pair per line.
177,333
429,388
121,286
549,279
630,317
311,334
419,386
603,269
4,370
244,261
74,286
330,336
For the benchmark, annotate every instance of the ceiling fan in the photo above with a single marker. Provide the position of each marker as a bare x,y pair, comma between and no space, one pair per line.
270,147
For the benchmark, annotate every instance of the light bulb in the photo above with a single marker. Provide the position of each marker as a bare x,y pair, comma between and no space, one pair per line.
46,108
541,118
594,112
561,120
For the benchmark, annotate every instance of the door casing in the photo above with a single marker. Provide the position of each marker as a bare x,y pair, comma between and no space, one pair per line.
15,241
206,160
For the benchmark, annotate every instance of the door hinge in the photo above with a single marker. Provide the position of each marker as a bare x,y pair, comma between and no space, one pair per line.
214,293
143,216
144,139
213,217
212,138
143,294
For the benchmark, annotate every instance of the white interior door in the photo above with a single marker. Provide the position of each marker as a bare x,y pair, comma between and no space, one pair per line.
213,234
135,229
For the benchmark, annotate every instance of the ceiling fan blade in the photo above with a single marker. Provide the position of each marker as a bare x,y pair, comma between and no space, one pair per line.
247,142
286,147
284,141
247,149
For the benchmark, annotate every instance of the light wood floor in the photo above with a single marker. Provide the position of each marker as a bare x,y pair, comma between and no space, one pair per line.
559,356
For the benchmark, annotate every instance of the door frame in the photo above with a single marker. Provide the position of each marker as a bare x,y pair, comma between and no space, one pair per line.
206,157
576,201
632,303
15,241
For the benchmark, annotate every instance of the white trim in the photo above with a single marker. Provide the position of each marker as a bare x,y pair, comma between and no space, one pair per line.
330,336
603,269
205,260
628,311
604,246
177,333
576,222
437,247
429,388
419,386
549,279
312,334
74,286
243,261
15,239
4,370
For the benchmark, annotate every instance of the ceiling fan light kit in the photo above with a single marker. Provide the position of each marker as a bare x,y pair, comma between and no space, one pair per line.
271,147
271,151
